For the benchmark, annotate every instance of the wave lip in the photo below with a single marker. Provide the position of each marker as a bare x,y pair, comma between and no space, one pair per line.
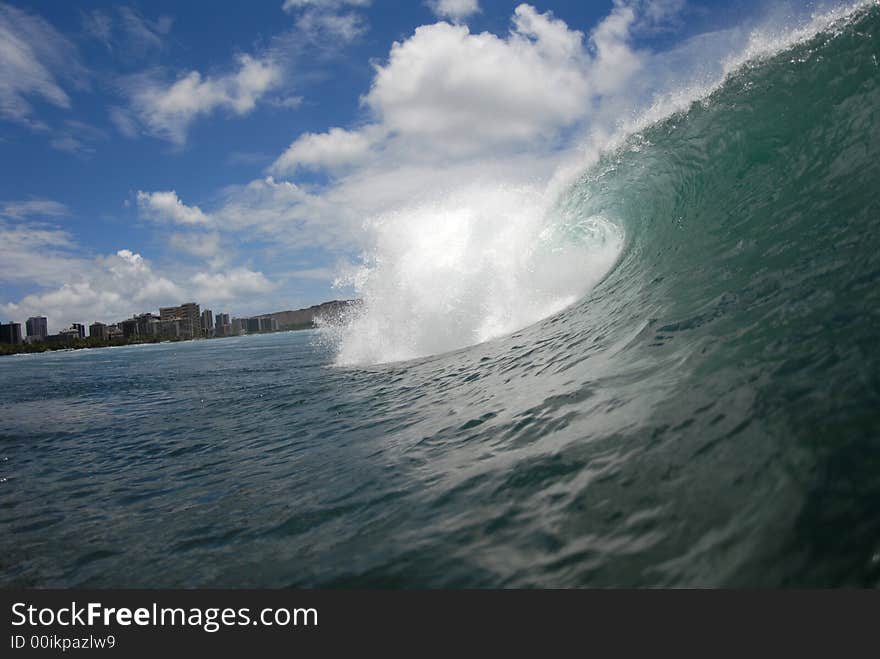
470,268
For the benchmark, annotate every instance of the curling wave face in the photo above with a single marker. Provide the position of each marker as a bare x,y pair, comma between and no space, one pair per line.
706,412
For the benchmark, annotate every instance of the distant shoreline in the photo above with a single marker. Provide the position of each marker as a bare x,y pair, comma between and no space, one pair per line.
94,344
286,321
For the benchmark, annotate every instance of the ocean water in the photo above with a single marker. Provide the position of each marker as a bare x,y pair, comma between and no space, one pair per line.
705,413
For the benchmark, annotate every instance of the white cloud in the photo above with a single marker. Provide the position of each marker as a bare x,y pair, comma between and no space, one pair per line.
35,61
106,288
264,209
205,245
319,20
446,92
230,285
461,91
615,60
456,10
124,121
288,213
321,25
657,13
34,253
328,150
166,206
168,110
33,207
112,287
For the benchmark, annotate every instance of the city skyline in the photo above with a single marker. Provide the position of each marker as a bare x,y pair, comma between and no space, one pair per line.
182,322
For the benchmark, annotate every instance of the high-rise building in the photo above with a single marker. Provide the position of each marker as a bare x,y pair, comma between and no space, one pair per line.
79,327
189,316
37,328
10,333
129,328
207,322
98,331
170,329
222,326
146,324
68,335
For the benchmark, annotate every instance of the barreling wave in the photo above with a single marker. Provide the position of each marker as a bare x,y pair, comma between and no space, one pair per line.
699,403
487,260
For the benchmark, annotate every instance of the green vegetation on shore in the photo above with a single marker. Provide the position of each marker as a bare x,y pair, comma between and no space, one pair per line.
75,344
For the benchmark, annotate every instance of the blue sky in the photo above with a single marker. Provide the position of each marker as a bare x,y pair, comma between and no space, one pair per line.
235,153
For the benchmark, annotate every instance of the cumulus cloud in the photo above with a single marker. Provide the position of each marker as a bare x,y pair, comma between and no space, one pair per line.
107,287
448,93
330,150
167,207
456,10
110,287
167,110
36,61
615,61
460,90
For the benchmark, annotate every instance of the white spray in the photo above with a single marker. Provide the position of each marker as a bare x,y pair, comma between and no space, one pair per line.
474,266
